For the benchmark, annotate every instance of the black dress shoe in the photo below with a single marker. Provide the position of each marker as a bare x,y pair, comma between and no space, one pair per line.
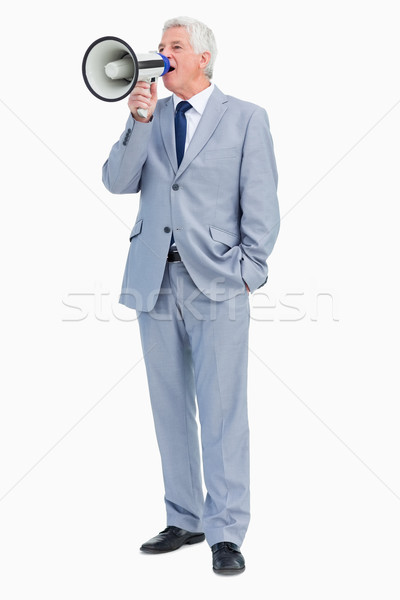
171,539
227,559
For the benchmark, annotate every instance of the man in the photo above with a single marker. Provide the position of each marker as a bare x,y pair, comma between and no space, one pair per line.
207,221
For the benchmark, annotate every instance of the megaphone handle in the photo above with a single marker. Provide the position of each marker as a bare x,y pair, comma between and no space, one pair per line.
143,112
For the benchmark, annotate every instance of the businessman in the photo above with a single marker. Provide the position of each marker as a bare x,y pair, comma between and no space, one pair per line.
208,219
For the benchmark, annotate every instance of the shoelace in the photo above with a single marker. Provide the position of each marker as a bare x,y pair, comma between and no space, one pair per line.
170,528
225,546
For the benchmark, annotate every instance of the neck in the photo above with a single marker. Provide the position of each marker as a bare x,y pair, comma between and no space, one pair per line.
193,89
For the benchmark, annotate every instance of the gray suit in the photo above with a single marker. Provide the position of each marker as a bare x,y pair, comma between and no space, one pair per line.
221,205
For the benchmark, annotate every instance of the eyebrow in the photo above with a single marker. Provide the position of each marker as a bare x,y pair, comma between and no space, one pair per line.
175,42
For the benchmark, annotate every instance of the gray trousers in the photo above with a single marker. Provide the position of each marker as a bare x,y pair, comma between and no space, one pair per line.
197,347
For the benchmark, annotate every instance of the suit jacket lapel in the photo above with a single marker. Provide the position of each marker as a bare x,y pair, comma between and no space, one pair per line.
215,108
167,126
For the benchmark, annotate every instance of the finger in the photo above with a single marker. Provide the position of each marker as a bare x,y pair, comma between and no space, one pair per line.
137,105
140,98
140,92
142,85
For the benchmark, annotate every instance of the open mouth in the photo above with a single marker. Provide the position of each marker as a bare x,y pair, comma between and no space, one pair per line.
171,69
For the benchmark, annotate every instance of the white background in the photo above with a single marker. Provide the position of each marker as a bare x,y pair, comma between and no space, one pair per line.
80,473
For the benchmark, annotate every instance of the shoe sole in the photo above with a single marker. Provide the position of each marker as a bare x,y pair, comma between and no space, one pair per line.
228,571
195,539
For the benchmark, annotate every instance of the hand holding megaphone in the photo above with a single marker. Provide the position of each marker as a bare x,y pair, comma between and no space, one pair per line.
112,70
143,99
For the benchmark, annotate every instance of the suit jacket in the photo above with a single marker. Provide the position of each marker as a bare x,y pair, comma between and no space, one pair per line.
221,204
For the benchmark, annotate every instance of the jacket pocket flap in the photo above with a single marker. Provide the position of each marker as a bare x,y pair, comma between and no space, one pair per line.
226,237
137,228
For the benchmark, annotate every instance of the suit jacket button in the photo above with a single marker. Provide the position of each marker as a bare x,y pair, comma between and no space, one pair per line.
175,187
167,229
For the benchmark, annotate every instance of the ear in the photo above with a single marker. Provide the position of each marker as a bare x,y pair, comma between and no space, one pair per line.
205,59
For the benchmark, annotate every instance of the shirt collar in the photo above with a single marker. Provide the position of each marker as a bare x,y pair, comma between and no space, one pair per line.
198,101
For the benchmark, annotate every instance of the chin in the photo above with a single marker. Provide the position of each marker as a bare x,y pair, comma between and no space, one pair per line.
168,83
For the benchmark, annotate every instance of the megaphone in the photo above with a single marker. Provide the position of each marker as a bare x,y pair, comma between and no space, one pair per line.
110,69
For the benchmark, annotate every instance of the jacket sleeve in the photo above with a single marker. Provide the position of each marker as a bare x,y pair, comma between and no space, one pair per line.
122,170
260,221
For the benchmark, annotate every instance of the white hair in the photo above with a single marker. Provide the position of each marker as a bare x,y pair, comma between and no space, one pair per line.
201,38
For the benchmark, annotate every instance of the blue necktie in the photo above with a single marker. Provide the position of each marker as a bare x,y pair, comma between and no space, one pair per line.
180,133
180,129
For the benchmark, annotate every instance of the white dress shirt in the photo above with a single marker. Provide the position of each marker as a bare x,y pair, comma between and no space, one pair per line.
193,115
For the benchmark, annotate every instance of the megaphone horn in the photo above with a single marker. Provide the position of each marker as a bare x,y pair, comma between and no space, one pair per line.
110,69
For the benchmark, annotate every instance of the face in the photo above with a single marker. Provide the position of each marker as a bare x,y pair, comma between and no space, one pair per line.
188,73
